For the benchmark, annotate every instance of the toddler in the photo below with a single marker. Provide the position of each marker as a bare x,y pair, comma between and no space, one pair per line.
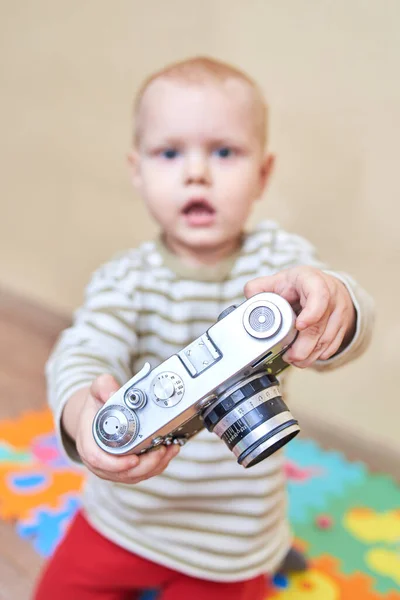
189,521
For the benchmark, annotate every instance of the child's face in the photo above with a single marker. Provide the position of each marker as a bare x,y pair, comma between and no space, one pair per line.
199,163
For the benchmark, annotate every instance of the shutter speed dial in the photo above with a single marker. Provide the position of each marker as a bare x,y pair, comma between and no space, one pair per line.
168,389
117,426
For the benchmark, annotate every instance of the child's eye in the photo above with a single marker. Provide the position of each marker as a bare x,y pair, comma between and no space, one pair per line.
224,152
170,153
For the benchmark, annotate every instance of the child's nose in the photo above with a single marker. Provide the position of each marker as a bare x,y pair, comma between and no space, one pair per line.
197,171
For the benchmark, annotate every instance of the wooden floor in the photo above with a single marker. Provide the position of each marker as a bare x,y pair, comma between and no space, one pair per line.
27,333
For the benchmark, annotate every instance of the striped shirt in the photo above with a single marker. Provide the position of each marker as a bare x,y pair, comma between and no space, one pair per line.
204,515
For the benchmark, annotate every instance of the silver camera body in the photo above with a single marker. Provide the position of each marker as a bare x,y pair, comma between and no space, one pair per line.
225,380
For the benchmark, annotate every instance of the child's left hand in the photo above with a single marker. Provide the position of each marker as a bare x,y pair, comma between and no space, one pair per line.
327,317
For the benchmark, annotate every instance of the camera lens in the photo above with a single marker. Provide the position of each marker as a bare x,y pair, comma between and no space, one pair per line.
252,419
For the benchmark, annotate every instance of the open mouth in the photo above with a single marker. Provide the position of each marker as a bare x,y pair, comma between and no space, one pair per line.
198,206
198,212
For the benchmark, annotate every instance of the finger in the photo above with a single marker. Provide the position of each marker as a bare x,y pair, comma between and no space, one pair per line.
172,451
115,473
335,345
302,284
96,458
148,463
310,360
103,387
299,356
307,342
280,283
261,284
341,321
326,347
106,475
332,325
315,298
335,322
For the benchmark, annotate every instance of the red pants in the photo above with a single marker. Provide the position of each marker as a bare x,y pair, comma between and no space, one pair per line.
87,566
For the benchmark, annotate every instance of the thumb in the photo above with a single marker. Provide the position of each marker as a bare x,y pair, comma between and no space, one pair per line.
283,283
103,387
269,283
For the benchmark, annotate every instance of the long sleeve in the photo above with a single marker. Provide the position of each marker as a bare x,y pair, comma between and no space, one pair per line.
299,251
144,313
100,340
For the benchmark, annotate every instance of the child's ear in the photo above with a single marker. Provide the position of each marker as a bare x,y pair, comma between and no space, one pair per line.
267,166
134,168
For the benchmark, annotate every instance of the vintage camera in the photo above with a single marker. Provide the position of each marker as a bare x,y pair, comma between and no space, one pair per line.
225,381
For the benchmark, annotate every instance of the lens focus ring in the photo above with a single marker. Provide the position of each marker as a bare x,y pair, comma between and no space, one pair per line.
252,419
220,409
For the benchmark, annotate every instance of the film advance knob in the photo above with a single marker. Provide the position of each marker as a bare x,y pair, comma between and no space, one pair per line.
164,389
226,312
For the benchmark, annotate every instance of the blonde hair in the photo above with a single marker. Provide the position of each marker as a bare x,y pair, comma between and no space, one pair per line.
199,70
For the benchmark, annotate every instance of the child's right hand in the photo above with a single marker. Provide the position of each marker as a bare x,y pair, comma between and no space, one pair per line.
122,469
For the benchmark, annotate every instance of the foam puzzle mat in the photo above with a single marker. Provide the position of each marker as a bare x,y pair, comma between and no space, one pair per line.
346,519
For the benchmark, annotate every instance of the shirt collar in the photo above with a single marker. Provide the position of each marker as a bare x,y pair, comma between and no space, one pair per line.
217,272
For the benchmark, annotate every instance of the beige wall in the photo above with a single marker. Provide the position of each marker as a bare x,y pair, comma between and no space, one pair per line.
331,72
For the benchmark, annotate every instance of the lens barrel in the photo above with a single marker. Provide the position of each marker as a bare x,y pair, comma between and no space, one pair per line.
252,419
